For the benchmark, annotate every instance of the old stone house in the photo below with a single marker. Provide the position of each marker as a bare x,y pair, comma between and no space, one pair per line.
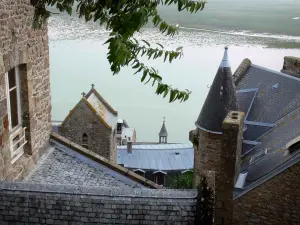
94,124
91,124
25,106
247,144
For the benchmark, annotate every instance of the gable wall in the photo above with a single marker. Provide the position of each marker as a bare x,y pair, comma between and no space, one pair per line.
21,46
84,120
277,201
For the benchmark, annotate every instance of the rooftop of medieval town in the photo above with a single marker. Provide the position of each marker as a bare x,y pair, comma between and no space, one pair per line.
80,146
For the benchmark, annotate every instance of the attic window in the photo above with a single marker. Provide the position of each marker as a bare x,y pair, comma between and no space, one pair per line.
85,141
176,153
140,172
159,177
275,86
294,147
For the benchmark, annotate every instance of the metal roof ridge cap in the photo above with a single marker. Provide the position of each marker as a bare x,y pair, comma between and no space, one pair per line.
251,104
260,123
247,90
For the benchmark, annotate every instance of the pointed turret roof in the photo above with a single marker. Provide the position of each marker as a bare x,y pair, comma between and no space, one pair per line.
163,131
220,100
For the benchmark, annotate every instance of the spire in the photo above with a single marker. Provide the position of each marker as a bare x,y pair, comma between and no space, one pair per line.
163,134
220,100
93,85
225,61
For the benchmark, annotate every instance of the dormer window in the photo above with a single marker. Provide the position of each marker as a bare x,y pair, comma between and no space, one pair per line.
140,172
85,141
160,177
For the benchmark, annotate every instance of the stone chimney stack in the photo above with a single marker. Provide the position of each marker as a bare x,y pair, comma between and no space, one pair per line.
291,66
129,145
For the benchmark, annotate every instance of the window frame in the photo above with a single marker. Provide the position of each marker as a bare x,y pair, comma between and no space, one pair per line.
19,110
18,129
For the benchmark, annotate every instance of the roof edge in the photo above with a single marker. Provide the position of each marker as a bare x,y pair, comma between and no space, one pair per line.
93,90
97,158
241,71
283,167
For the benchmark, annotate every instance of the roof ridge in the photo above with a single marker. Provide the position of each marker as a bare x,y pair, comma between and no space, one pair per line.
276,72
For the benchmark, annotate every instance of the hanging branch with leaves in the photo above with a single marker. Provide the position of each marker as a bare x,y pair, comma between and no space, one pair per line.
123,18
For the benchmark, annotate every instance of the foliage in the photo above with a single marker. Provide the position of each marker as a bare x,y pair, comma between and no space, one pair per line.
205,204
182,181
123,18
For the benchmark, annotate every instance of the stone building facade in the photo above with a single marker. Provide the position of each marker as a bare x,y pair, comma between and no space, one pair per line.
251,156
91,124
25,102
275,202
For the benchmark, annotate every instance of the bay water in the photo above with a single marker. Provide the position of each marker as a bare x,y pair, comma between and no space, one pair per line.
264,31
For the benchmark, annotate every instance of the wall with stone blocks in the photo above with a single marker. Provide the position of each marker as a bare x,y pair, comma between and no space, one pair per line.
22,46
83,120
22,203
275,202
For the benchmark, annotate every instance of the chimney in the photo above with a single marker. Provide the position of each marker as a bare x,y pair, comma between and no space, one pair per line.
291,66
129,145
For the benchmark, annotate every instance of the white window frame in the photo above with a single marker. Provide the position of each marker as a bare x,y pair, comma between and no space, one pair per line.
18,130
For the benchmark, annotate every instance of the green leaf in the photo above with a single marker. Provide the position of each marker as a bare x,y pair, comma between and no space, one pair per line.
144,75
147,43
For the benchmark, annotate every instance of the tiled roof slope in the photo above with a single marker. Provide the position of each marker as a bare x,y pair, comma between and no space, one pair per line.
63,169
127,176
272,121
220,100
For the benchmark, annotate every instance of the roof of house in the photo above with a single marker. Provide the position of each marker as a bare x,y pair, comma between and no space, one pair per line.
157,157
69,163
96,93
220,100
84,100
272,120
163,131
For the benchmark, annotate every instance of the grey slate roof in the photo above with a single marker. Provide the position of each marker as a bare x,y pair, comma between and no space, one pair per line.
271,103
163,131
273,120
220,100
245,98
165,157
61,165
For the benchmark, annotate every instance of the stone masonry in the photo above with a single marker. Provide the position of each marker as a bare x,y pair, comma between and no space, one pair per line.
275,202
217,158
83,120
22,46
291,66
22,203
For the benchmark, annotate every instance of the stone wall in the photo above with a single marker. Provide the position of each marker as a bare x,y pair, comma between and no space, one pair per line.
276,202
217,156
22,46
82,119
40,204
291,66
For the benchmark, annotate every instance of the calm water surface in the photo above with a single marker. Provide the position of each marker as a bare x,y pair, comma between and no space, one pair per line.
78,58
